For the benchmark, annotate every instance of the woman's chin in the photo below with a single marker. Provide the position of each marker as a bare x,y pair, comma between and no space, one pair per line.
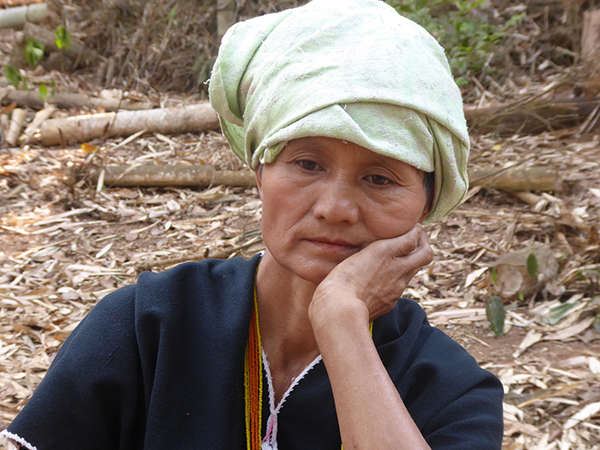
314,272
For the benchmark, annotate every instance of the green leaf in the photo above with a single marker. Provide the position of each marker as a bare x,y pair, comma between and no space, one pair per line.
495,275
34,52
596,323
12,75
532,265
558,312
496,314
43,92
62,37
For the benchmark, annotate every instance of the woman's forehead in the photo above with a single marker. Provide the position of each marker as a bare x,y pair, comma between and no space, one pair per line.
342,148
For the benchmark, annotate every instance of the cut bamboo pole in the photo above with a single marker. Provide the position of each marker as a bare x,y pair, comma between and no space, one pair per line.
175,176
37,121
226,16
32,99
16,125
4,124
528,197
17,17
590,37
517,118
515,179
194,118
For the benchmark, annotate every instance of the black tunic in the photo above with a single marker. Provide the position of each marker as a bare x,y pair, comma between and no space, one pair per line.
159,365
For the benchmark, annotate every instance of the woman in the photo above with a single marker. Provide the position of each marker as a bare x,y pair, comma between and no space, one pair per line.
352,121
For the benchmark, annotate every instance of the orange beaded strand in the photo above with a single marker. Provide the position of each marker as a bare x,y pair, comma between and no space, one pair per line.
253,382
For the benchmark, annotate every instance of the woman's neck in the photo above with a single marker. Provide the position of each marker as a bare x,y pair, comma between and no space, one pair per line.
286,331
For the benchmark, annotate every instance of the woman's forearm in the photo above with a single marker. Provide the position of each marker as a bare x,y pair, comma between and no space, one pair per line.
370,412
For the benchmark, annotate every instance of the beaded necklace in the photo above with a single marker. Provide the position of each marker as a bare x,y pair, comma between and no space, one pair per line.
253,382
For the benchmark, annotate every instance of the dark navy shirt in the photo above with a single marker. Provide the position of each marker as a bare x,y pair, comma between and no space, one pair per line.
160,364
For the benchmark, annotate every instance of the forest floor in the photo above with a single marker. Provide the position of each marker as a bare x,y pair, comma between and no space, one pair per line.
65,244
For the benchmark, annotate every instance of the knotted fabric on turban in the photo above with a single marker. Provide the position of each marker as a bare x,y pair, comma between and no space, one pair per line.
346,69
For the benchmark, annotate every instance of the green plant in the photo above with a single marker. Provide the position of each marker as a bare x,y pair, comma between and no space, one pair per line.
463,28
496,314
12,75
62,38
34,52
43,92
532,265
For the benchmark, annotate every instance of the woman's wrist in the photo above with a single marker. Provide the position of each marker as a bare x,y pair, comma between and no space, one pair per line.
329,317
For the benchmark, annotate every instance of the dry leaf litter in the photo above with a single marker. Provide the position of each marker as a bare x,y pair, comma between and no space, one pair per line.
66,243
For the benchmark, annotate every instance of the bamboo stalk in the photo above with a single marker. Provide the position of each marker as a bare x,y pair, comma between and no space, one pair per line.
226,16
515,179
17,17
508,119
37,121
194,118
175,175
16,125
32,99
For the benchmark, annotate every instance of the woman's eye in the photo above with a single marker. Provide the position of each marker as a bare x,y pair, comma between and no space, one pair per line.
307,164
378,180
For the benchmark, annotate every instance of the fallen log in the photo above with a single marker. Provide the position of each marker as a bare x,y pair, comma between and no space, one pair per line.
86,57
515,179
32,100
37,121
498,118
590,37
4,124
226,16
516,118
527,197
17,17
17,120
174,176
590,52
193,118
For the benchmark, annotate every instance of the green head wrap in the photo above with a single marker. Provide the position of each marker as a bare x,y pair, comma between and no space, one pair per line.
346,69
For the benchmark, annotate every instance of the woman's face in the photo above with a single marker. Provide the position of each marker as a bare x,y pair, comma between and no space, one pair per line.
325,199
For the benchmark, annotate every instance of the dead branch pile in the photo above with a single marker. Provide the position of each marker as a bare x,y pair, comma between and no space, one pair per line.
157,43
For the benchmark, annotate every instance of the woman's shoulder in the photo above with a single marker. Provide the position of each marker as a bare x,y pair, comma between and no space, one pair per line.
206,274
442,385
187,285
406,334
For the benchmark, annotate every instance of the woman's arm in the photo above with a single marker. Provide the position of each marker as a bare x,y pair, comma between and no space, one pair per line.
371,413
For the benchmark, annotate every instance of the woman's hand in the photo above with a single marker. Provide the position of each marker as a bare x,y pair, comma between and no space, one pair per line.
358,290
375,276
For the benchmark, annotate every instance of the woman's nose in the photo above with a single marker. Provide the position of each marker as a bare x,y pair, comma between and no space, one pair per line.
337,202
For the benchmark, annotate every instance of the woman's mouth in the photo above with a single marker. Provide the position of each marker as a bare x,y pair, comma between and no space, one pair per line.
339,246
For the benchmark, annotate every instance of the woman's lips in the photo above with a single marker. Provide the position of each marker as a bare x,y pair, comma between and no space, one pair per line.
334,245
